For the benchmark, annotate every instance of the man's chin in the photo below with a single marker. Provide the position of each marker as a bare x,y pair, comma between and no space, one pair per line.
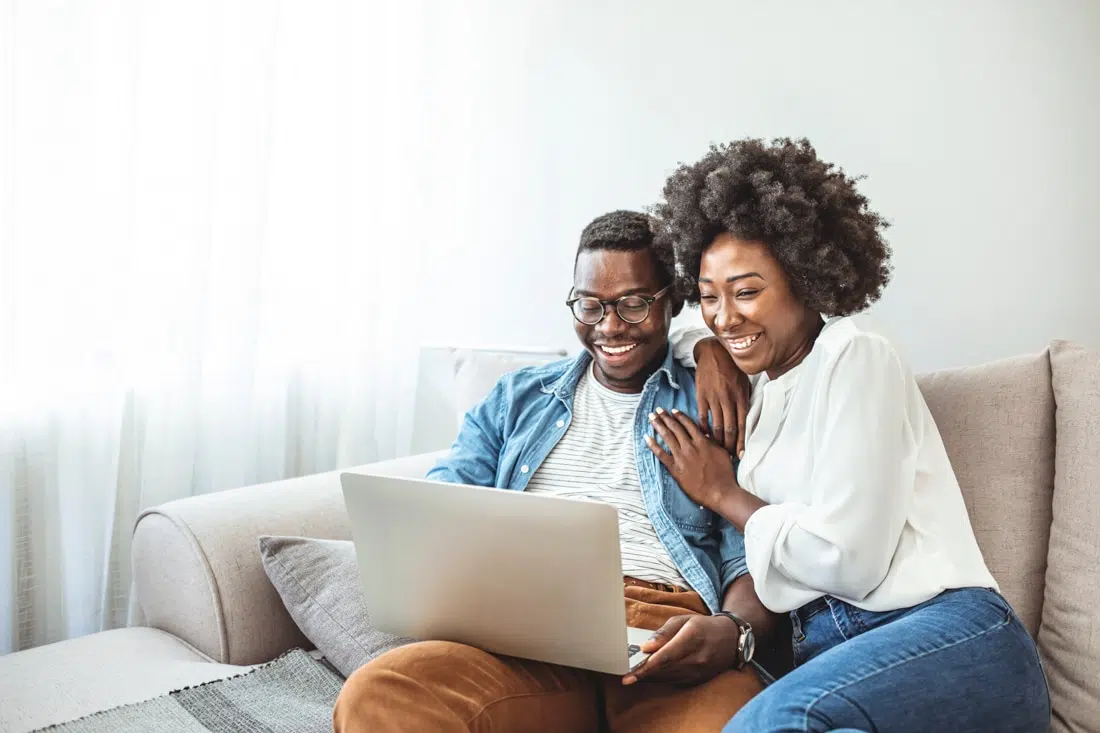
618,373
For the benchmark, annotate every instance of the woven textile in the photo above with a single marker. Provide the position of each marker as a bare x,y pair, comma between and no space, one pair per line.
292,694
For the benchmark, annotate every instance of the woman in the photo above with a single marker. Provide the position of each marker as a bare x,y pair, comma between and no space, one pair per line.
854,522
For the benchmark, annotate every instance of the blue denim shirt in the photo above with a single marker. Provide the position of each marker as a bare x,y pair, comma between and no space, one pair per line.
505,438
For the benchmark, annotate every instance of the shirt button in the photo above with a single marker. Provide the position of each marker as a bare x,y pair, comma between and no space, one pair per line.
561,423
523,469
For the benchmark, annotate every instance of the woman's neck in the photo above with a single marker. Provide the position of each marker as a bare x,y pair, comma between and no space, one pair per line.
802,349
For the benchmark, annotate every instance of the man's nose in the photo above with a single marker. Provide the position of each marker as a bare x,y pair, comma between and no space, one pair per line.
611,324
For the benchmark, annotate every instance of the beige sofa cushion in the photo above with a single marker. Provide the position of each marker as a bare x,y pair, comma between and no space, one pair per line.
1069,640
997,423
56,683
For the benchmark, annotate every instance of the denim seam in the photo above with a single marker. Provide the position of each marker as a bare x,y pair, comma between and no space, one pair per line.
823,695
836,622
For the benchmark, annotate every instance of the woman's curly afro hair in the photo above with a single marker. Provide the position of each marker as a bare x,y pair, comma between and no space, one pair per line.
807,212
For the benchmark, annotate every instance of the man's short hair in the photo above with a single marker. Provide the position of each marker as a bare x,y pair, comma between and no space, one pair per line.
627,231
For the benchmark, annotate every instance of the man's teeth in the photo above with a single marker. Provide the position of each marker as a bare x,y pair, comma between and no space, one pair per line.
745,342
618,349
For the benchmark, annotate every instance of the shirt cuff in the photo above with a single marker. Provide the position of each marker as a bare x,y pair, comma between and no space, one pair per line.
731,571
762,532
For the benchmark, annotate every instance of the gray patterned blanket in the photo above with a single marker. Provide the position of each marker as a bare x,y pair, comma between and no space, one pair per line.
292,694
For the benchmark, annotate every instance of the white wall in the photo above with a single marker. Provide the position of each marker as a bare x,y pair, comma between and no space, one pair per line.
977,123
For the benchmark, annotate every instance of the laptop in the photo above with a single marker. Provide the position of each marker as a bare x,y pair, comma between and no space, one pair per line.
516,574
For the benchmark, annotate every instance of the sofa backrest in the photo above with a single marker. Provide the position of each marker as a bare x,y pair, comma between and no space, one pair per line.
1023,435
997,424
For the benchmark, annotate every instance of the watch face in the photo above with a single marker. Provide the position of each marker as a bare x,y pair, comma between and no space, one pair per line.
750,646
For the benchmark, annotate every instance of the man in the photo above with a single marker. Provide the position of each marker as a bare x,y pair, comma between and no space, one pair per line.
576,428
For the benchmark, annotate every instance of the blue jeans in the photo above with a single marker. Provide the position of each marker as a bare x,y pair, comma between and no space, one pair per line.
960,662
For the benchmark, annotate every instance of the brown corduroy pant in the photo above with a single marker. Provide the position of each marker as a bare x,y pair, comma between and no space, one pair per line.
440,687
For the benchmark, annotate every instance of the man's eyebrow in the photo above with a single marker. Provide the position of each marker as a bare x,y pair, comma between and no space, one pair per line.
733,278
632,291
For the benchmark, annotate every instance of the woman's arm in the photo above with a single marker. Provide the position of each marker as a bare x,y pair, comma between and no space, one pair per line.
721,389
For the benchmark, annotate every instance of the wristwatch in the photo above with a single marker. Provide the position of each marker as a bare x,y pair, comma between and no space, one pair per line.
746,645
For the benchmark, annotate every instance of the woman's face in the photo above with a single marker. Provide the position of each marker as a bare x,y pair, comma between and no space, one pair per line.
747,302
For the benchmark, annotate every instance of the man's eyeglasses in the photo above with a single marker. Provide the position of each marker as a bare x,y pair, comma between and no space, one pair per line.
631,308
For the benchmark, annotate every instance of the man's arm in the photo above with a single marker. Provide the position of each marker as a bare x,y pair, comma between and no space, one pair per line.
741,600
740,596
475,454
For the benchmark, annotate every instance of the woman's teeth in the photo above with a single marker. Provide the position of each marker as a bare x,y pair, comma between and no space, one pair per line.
742,344
618,349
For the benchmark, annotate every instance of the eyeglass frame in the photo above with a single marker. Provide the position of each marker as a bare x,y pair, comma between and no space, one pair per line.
649,301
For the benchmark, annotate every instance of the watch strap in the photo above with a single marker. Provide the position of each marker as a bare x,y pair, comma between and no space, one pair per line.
744,628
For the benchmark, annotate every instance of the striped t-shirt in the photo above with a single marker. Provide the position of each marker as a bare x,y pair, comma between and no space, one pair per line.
595,461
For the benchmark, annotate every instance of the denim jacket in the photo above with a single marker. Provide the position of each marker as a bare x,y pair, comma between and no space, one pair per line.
506,437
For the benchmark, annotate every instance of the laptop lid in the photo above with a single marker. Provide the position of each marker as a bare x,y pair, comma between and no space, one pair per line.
517,574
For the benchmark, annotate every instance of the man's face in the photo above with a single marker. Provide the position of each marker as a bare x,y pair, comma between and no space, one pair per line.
625,354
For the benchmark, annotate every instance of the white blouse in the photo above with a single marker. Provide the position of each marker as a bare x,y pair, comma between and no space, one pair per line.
863,504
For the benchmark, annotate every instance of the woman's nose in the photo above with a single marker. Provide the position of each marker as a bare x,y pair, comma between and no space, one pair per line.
726,317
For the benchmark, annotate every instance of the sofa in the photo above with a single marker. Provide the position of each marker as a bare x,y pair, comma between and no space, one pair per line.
1023,434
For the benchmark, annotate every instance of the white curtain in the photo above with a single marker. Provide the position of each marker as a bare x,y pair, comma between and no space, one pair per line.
210,219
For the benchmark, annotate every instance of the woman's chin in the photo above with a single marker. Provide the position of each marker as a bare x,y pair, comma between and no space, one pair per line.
749,365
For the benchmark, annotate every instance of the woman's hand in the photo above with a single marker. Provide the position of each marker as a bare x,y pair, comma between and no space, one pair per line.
701,467
723,391
689,650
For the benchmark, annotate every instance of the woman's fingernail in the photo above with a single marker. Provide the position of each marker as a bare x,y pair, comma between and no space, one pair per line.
652,417
675,411
660,410
741,454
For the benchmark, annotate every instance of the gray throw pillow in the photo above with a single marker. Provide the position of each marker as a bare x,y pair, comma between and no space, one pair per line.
318,581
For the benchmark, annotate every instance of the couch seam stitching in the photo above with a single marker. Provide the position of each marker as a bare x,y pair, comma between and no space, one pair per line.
219,612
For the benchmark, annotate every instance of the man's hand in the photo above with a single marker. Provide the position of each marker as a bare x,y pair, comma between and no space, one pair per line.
722,391
689,650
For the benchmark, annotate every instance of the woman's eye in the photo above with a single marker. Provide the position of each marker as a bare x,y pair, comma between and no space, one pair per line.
746,293
707,296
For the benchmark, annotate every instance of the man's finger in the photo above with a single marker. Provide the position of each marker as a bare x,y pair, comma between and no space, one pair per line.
681,645
664,634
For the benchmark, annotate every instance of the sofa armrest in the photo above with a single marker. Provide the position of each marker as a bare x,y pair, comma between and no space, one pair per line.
197,568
